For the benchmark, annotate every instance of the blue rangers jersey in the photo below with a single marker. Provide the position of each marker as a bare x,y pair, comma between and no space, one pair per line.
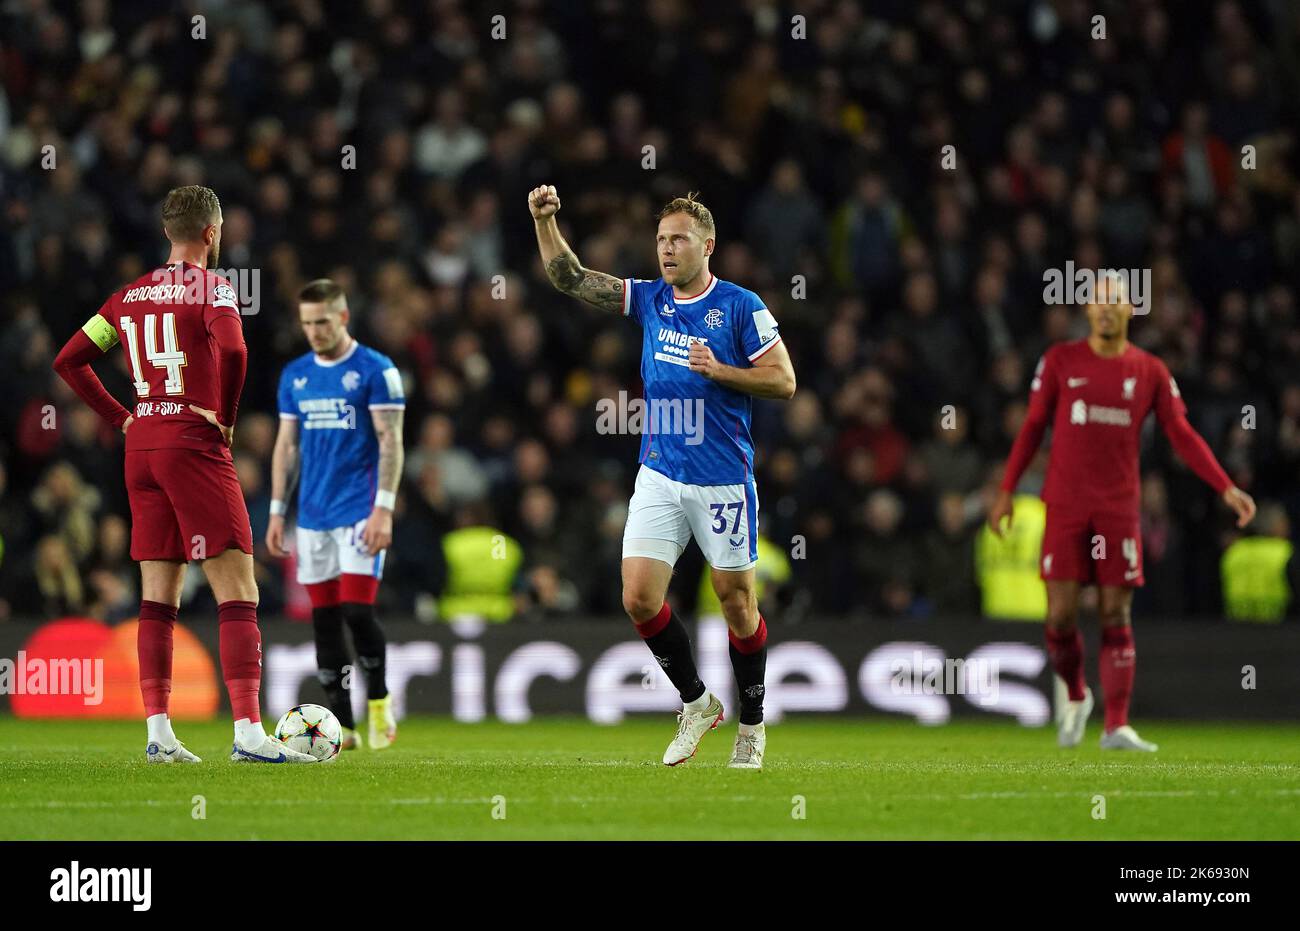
695,430
338,449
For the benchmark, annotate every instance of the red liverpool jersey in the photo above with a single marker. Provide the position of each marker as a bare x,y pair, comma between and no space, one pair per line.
164,320
1096,407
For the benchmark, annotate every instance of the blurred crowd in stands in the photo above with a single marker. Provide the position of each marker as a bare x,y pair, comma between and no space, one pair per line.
390,145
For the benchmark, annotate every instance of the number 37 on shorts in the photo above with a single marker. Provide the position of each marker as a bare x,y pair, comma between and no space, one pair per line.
664,514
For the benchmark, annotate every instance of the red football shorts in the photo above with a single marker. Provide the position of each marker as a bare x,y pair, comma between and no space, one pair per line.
1092,547
185,504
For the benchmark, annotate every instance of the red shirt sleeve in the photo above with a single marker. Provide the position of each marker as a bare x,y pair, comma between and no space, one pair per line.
1043,392
1171,411
221,302
73,365
232,363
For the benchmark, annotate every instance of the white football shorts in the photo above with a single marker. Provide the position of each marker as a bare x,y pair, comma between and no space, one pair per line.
326,554
664,514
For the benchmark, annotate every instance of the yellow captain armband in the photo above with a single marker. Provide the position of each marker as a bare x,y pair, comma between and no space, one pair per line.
101,332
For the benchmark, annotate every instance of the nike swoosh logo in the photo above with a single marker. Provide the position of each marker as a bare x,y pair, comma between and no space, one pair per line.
265,759
1076,382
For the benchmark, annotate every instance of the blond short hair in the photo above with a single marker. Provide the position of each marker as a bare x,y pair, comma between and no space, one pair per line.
188,211
693,209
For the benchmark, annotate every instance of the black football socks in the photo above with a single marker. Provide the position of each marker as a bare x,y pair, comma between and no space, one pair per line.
666,636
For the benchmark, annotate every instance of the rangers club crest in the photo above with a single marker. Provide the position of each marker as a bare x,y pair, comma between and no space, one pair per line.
351,380
713,319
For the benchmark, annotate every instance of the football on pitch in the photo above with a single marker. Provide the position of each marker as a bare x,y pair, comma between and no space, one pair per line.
311,729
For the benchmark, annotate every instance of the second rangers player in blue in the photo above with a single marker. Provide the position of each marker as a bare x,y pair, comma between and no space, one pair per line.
341,410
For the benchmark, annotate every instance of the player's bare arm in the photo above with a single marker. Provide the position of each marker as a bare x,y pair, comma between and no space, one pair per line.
284,471
598,289
378,532
771,375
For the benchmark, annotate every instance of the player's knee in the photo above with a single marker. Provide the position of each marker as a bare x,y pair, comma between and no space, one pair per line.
737,603
230,575
1062,617
238,589
1114,615
640,607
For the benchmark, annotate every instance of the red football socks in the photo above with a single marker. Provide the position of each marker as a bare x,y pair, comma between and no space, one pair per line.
754,642
153,643
241,657
1065,649
1118,665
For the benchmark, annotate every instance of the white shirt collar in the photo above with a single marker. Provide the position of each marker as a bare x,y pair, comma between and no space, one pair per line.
328,363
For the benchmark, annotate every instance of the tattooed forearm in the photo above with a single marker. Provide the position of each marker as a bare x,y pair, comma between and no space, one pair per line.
596,288
565,272
388,429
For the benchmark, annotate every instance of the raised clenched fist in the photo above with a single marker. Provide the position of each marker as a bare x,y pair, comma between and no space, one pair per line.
543,201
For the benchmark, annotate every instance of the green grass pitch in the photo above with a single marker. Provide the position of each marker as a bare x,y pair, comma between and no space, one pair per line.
866,778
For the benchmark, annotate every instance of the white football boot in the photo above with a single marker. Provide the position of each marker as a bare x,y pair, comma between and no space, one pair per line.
691,726
155,752
1060,696
1074,720
383,725
1125,738
269,750
351,739
748,753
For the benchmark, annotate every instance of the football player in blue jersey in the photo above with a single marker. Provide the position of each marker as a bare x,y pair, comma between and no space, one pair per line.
341,408
708,348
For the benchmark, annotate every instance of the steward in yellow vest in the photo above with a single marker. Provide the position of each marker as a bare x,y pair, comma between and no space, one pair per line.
481,567
1256,571
1007,569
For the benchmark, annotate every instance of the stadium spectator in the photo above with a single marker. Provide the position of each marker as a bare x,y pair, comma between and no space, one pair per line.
50,585
948,552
